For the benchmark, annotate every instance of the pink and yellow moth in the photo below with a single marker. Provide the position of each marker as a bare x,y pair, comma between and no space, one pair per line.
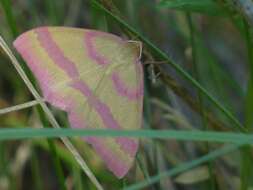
96,77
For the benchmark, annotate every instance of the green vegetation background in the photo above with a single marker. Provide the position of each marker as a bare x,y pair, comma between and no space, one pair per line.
198,65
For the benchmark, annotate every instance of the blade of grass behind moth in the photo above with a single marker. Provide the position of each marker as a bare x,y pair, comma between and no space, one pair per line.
199,95
246,157
77,177
6,5
53,152
63,153
52,12
246,153
98,19
49,114
185,166
57,164
218,73
13,27
147,120
37,179
142,166
207,7
181,71
3,160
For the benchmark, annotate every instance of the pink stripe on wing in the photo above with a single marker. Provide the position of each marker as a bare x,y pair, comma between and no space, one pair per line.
92,52
50,46
122,87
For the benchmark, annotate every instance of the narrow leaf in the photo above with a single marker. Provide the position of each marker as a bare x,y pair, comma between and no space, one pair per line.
200,6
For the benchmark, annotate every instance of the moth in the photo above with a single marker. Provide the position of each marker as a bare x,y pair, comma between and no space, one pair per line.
97,78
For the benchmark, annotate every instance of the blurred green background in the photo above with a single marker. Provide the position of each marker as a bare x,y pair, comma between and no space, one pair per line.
210,39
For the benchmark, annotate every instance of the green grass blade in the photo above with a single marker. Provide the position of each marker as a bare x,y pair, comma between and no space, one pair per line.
199,95
182,135
77,178
36,171
52,12
249,106
57,164
204,6
53,152
6,4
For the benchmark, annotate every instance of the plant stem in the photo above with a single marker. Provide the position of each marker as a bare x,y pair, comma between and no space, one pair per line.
246,157
199,95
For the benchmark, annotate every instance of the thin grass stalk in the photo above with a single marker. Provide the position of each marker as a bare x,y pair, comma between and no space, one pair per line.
18,107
